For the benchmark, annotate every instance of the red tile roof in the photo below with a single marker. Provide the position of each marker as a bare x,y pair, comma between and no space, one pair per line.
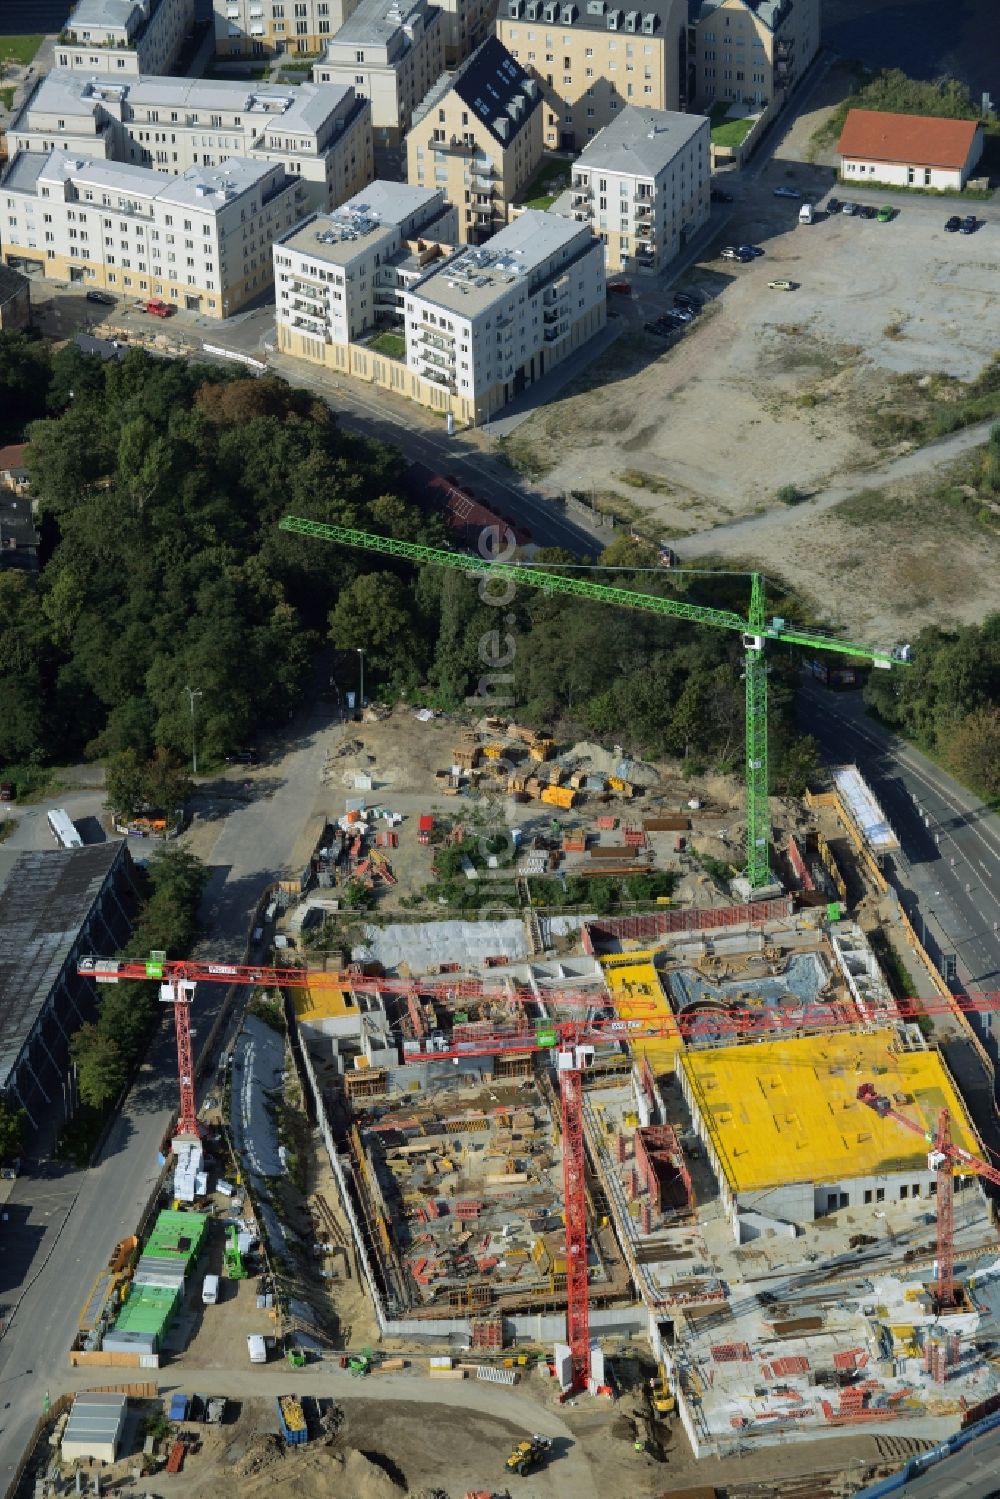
12,457
910,140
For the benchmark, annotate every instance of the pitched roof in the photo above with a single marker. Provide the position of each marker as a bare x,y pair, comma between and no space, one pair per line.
13,456
494,86
911,140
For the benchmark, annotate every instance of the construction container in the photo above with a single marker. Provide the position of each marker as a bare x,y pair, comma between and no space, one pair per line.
624,788
559,796
291,1420
541,749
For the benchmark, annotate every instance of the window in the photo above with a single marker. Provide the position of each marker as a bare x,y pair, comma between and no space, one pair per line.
880,1194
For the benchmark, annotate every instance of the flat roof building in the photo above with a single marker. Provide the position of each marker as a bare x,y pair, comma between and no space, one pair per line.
94,1429
788,1137
908,150
591,60
643,186
320,133
201,241
339,275
124,37
474,326
391,52
478,134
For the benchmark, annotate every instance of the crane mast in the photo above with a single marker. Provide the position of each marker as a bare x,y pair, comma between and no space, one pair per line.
754,629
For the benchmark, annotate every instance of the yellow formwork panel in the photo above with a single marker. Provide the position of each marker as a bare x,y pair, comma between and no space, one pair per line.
312,1005
787,1111
637,994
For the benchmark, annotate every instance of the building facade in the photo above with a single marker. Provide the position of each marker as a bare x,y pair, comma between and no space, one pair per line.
478,135
124,37
391,52
201,241
643,186
593,60
750,52
908,150
466,24
266,28
320,133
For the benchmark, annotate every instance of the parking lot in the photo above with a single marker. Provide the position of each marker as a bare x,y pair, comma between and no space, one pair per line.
768,388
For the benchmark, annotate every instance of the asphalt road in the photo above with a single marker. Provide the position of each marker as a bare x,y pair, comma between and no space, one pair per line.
949,863
973,1473
62,1224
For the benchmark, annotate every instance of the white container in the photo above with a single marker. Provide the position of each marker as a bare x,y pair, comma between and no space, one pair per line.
210,1290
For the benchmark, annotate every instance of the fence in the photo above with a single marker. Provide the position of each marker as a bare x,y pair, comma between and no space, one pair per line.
664,923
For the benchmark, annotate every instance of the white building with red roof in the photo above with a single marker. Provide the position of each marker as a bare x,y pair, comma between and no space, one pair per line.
908,150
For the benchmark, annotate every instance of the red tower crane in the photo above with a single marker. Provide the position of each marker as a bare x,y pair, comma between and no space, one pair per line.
943,1157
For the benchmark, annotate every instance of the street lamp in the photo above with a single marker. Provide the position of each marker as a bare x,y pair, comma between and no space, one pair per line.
361,663
194,743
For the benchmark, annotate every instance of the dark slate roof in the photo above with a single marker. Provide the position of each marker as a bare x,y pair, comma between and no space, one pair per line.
44,901
495,87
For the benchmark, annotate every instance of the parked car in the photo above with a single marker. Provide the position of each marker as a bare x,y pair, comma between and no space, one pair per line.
718,195
970,224
782,285
102,297
787,192
752,250
6,791
867,211
158,308
680,314
886,213
953,224
834,205
660,329
730,252
618,289
688,299
849,208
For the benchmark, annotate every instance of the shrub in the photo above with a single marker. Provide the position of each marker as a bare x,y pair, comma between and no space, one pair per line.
789,494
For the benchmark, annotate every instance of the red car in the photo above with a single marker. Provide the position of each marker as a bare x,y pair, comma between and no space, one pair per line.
619,288
159,309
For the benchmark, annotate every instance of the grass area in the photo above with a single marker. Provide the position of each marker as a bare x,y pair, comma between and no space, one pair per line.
6,828
729,132
918,408
392,345
546,185
19,48
964,500
7,98
32,783
637,478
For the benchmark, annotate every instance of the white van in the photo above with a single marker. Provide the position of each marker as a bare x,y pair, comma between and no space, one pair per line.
806,213
257,1349
210,1290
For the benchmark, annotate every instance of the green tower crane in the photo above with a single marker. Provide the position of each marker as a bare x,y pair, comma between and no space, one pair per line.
755,631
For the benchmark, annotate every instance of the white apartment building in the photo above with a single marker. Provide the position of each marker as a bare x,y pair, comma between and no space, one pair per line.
320,133
491,320
643,186
266,28
201,241
339,275
124,37
389,51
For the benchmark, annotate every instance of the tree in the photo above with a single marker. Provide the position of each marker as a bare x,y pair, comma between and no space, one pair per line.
974,750
124,782
166,783
12,1122
101,1067
374,614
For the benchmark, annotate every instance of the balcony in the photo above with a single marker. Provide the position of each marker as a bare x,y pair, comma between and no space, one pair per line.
643,200
582,193
485,169
553,334
484,185
552,315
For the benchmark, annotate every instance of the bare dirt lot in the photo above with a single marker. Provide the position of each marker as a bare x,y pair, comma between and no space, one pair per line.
770,388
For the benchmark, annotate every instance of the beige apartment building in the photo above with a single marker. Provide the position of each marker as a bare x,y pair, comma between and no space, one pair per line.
466,23
391,52
643,186
478,136
751,51
123,37
319,132
201,241
266,28
592,59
